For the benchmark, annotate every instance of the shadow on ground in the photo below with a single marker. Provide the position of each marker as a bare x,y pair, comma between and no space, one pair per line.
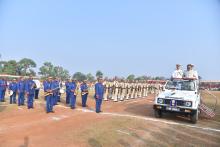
147,110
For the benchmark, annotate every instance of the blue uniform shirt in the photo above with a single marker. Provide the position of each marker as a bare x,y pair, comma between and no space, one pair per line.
47,86
72,86
29,86
13,86
21,86
99,90
84,87
67,86
3,84
55,86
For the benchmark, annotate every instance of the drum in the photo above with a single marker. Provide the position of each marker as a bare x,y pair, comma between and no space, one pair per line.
11,93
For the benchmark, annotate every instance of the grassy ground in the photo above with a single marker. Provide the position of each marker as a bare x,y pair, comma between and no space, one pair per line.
211,102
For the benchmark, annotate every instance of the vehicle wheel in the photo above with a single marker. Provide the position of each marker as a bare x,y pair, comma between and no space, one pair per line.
158,113
194,117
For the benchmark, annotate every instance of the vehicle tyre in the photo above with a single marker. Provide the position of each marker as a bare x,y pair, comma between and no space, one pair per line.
194,117
158,113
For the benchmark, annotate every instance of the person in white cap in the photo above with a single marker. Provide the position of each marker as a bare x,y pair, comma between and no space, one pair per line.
178,73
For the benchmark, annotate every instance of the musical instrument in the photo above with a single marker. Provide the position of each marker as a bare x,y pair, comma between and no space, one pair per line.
50,93
10,92
62,91
85,92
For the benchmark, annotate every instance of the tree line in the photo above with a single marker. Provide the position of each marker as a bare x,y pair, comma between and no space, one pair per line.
26,67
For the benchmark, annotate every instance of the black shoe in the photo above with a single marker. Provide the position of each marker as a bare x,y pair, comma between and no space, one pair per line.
72,107
98,111
52,111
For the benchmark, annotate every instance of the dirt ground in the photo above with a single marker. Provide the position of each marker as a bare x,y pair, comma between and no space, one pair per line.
128,123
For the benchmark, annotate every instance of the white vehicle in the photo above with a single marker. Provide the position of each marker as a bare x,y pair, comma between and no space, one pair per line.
179,96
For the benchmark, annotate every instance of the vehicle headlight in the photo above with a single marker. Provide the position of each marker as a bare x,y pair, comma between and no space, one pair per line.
188,104
160,100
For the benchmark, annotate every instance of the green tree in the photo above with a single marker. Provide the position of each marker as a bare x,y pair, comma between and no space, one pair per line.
60,72
159,78
90,77
10,67
25,67
79,76
48,69
131,77
2,64
99,74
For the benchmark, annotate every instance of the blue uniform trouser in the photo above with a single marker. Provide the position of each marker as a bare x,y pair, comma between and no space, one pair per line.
67,97
21,98
13,98
84,99
72,100
58,97
36,93
98,104
49,103
30,101
2,95
1,91
55,96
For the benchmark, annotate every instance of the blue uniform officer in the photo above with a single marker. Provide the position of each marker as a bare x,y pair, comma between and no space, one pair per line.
13,89
99,92
21,90
67,84
72,94
84,93
30,90
3,86
49,95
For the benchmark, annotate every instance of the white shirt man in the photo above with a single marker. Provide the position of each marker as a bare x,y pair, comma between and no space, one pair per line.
189,73
178,73
195,72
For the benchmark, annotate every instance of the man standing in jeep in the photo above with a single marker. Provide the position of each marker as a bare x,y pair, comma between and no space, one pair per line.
178,73
190,73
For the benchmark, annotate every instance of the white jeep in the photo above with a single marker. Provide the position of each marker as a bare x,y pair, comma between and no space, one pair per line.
179,96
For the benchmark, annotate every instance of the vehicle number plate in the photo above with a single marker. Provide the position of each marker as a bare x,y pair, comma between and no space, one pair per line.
172,109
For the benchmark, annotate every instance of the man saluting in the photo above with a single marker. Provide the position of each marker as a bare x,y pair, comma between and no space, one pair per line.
99,92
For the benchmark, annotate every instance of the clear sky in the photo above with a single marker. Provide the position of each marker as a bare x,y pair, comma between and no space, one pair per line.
143,37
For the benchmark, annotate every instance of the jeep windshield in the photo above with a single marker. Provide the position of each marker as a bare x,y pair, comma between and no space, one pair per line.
188,85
